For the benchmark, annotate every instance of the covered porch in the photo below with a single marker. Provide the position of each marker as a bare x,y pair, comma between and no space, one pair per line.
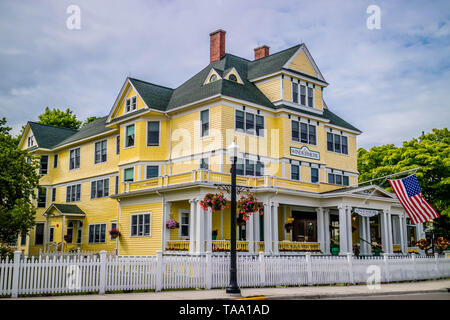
63,227
294,224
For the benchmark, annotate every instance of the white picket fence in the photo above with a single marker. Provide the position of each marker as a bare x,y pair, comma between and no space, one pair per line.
107,273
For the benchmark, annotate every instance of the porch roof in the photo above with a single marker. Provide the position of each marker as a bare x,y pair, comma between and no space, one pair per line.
65,210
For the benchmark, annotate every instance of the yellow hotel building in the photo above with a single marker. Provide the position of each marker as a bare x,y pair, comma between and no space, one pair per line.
160,150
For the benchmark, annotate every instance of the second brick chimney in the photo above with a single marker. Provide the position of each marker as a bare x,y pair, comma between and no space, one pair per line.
261,52
216,45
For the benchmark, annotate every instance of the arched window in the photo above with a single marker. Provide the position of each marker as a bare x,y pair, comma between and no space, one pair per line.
232,77
213,78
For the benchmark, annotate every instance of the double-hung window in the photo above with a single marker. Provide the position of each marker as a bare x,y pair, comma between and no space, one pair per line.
303,132
249,123
204,120
100,151
100,188
337,143
129,136
73,193
249,167
310,97
184,224
97,233
30,141
130,104
44,165
117,144
140,224
295,172
303,95
128,175
152,172
334,178
153,133
74,159
42,198
294,92
55,161
314,175
53,194
204,163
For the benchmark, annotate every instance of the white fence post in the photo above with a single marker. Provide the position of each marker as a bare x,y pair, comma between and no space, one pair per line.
350,268
262,269
208,271
16,272
309,267
413,257
386,266
159,271
102,284
436,257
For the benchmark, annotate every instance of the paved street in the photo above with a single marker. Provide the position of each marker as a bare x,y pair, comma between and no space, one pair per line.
395,290
405,296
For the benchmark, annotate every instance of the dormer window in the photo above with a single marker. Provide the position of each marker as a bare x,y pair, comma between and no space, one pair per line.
30,141
130,104
213,78
232,77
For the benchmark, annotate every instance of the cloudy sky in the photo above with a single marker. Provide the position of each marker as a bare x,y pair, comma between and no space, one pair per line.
392,83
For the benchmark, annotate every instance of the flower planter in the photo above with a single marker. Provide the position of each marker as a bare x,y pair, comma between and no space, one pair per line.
335,251
376,251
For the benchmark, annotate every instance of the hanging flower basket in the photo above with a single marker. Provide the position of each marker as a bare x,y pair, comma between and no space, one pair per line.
441,244
423,244
249,204
215,201
114,233
172,224
289,224
67,238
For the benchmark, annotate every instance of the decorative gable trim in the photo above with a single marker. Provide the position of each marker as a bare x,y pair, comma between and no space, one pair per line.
211,72
310,59
234,71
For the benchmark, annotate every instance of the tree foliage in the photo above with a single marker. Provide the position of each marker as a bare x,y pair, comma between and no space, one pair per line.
18,182
89,120
59,118
430,153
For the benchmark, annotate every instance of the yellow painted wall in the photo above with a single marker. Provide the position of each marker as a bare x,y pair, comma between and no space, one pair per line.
301,63
271,89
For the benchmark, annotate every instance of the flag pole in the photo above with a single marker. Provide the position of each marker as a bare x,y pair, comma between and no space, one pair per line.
386,176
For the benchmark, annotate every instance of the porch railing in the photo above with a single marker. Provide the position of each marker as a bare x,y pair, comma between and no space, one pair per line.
213,177
298,246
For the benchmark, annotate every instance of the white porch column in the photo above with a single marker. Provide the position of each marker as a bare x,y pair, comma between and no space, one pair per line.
404,243
192,225
200,228
362,235
275,227
388,231
368,236
419,231
249,231
221,224
342,230
166,233
208,230
320,229
256,235
327,230
284,221
63,231
349,230
46,234
383,227
267,228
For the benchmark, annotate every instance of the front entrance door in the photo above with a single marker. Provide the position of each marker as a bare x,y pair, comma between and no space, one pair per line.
305,226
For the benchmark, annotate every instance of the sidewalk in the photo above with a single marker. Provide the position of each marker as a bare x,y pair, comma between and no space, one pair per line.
313,292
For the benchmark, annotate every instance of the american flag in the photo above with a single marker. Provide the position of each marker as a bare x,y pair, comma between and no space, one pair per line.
410,195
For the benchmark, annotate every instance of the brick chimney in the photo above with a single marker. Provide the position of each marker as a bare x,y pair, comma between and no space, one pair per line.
216,45
261,52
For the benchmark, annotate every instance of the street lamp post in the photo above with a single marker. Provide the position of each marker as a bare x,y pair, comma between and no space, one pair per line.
233,287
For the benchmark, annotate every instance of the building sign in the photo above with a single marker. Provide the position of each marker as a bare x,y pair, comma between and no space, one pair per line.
305,153
365,212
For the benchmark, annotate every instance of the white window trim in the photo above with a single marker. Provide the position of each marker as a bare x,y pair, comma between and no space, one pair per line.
125,136
159,133
299,165
244,131
180,212
94,224
318,175
342,135
109,188
70,150
125,104
51,228
95,142
300,132
72,185
152,165
209,123
138,214
123,174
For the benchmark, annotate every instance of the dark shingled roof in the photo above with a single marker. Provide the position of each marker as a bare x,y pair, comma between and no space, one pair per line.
155,96
91,129
66,208
47,136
